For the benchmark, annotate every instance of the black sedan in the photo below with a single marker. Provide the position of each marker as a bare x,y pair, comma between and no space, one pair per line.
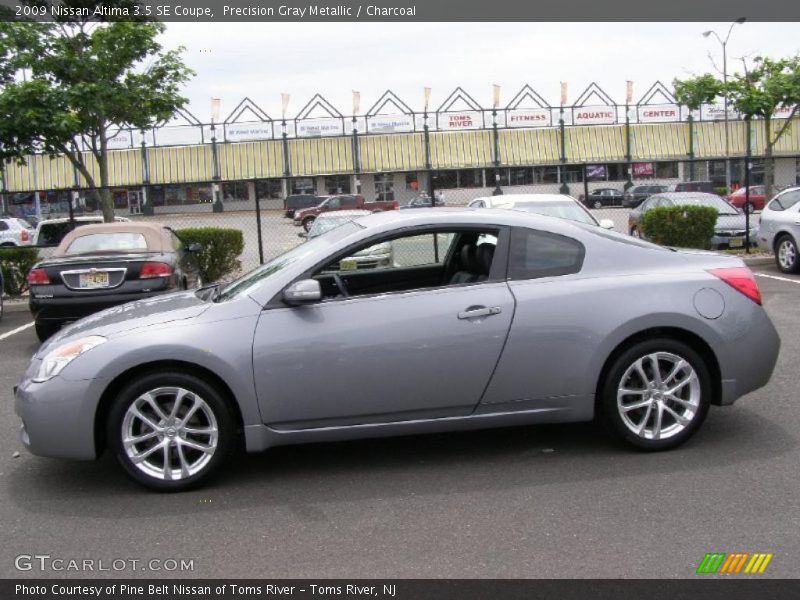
99,266
604,197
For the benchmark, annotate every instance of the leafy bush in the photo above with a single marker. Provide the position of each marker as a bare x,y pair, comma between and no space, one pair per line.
16,263
681,226
721,190
219,252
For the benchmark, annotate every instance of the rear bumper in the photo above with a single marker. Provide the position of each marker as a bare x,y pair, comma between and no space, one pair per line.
72,308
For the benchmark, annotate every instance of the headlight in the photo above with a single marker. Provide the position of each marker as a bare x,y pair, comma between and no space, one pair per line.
57,359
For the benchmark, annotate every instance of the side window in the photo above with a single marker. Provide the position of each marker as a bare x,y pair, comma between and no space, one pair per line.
348,201
400,253
3,226
536,254
785,201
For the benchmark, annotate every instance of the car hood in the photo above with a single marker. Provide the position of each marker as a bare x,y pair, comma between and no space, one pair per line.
730,223
133,315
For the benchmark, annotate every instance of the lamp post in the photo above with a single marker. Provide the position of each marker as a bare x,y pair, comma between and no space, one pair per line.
724,44
287,171
498,191
355,145
426,129
215,108
564,188
629,165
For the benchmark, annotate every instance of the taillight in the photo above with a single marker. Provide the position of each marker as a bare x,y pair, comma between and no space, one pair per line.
740,279
155,269
24,235
38,277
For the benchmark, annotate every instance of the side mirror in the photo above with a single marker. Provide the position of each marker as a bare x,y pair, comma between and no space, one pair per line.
194,247
302,234
607,224
305,291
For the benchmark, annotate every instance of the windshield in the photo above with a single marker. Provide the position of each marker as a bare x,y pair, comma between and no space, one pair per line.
255,277
324,225
562,210
722,207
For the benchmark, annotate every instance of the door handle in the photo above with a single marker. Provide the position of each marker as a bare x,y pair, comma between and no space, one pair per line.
479,311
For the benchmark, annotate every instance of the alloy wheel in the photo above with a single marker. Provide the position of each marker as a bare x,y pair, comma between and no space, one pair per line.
787,254
658,396
169,433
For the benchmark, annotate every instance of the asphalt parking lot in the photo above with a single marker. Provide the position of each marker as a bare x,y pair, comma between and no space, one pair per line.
543,501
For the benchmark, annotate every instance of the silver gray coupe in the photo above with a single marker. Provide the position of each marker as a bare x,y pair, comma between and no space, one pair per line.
485,318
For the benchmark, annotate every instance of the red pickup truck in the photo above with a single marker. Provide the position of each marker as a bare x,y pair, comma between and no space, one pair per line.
306,216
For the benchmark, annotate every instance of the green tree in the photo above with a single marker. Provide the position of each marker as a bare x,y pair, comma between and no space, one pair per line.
77,81
692,93
759,92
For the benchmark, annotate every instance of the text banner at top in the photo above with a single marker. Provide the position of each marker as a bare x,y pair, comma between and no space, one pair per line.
406,10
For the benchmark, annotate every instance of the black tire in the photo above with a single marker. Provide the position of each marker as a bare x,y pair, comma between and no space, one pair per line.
611,414
750,208
308,222
597,204
634,232
786,258
1,300
214,400
46,330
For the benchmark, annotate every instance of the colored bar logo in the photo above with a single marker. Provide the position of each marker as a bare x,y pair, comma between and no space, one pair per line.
735,563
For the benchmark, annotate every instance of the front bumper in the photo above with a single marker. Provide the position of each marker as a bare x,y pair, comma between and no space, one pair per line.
58,416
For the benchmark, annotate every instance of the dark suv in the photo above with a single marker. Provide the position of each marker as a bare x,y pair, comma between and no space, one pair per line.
707,187
636,195
297,202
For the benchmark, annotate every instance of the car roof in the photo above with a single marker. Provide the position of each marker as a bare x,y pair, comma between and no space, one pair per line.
682,195
83,218
344,213
155,234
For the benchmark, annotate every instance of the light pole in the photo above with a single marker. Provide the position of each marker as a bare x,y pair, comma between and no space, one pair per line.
498,191
724,44
217,200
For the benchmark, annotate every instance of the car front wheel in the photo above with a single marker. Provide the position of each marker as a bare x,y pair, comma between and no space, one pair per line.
45,330
786,254
656,394
308,223
171,431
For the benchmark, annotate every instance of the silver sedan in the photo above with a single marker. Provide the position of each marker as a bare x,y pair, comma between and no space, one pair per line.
486,318
779,229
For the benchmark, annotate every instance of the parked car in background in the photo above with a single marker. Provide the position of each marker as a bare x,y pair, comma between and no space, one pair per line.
729,231
553,205
604,197
98,266
779,229
476,335
307,216
757,198
297,202
374,257
15,231
422,201
50,232
707,187
501,200
638,194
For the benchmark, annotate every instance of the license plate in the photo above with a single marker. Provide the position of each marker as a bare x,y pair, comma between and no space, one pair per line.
348,264
736,243
96,279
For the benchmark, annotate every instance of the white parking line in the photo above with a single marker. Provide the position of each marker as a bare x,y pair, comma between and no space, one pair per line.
778,278
8,334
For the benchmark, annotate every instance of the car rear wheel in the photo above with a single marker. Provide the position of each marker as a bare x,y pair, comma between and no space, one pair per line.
656,394
597,204
308,223
171,431
786,254
750,208
45,330
635,232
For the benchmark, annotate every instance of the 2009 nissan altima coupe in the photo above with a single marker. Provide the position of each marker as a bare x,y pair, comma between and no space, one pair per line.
486,318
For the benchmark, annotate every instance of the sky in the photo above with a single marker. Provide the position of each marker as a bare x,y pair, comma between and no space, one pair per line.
263,60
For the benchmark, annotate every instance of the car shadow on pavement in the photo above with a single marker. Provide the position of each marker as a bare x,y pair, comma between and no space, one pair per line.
398,468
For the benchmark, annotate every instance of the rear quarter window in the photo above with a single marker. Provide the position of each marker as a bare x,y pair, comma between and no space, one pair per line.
785,201
536,254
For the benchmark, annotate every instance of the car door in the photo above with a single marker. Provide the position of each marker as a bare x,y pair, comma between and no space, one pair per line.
399,355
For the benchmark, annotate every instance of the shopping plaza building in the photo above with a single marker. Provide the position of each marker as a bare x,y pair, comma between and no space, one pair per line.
461,150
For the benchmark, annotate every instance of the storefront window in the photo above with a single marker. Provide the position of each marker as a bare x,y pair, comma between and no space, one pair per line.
545,175
470,178
234,190
445,180
337,184
491,179
384,187
412,182
269,189
303,185
521,176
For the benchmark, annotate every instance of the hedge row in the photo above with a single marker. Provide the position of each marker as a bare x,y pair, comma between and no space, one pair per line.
680,226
